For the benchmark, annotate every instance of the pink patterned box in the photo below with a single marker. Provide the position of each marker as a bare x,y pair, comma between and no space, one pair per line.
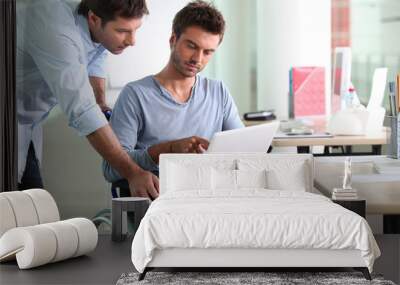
307,91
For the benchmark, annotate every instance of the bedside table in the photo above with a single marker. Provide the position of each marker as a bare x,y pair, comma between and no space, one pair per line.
137,205
357,206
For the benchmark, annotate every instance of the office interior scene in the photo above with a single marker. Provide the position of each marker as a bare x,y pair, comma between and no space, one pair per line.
200,142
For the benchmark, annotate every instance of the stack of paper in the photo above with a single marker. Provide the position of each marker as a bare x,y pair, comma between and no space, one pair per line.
344,194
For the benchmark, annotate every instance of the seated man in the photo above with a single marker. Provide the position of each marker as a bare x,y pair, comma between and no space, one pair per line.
176,110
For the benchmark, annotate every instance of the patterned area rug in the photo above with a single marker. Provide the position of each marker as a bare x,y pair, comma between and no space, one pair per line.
243,278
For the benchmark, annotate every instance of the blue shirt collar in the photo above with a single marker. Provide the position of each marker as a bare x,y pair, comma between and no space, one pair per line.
82,23
164,92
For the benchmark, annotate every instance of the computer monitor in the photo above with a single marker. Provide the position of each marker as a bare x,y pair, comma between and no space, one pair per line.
341,78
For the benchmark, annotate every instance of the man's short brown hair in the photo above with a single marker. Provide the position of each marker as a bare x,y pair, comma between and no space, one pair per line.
109,10
201,14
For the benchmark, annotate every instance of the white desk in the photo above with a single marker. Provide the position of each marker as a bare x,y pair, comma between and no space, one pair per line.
378,139
303,144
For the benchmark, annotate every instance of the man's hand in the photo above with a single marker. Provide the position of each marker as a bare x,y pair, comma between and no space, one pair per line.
189,145
144,184
141,183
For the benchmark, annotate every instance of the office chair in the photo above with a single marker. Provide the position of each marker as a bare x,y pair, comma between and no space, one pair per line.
120,189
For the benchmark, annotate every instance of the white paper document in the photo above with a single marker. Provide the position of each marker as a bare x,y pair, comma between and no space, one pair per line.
378,88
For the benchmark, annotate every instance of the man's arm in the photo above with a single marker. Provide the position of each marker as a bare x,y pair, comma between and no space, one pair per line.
141,183
99,89
148,159
188,145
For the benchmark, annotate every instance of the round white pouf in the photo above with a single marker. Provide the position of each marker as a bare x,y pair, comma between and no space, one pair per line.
46,207
6,215
67,240
37,245
87,234
23,208
33,246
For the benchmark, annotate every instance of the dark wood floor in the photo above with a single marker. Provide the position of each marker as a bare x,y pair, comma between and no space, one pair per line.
110,259
103,266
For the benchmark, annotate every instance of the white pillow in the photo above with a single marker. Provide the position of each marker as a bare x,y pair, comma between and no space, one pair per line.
295,180
252,178
228,179
282,174
182,177
223,179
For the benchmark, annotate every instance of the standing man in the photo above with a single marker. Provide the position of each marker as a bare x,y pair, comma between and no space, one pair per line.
61,49
177,110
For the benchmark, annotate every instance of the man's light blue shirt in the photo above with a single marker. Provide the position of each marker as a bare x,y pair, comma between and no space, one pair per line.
146,114
55,57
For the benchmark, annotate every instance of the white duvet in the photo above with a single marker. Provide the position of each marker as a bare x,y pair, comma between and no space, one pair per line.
250,219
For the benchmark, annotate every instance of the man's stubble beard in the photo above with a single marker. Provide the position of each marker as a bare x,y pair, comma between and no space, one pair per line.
179,65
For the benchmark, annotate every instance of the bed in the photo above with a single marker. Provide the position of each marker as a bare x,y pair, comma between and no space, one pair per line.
247,211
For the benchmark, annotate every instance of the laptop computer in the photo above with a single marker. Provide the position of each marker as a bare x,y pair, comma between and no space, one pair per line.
250,139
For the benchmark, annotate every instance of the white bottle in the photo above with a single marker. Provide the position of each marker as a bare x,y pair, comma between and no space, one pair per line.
349,98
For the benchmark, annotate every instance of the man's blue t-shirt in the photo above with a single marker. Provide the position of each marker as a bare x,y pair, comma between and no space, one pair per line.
146,114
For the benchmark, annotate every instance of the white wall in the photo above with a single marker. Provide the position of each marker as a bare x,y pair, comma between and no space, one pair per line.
390,20
390,39
232,63
365,26
375,26
290,33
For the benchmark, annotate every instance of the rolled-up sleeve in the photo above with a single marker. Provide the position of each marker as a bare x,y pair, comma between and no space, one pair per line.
58,52
127,122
